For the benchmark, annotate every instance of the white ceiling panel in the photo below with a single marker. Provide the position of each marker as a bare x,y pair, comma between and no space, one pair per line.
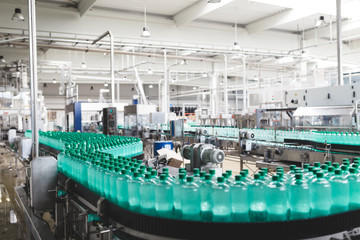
162,7
247,12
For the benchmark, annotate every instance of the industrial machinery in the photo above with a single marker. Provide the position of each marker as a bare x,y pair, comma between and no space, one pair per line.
110,121
136,117
203,157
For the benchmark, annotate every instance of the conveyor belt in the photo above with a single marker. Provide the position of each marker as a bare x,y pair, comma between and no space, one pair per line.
180,229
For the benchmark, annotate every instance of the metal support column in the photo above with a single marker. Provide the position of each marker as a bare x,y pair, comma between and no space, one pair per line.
226,96
33,78
112,73
339,42
245,85
165,92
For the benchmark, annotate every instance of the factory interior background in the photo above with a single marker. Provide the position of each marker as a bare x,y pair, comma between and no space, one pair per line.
138,119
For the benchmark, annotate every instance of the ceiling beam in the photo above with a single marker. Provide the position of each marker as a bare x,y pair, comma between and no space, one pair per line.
348,26
281,18
197,10
85,5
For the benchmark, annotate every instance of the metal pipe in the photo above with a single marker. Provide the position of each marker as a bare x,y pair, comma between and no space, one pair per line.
226,97
165,88
339,42
12,39
33,78
112,72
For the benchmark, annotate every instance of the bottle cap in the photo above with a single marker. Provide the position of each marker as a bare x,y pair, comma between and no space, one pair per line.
298,176
306,166
336,165
196,171
202,174
220,179
153,173
238,178
264,169
229,172
331,169
317,164
147,175
344,168
257,176
328,163
165,170
162,177
352,170
208,177
292,167
225,175
148,169
124,171
319,175
337,172
190,179
324,166
275,178
182,176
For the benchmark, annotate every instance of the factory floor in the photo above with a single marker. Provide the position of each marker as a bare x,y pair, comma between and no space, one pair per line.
12,224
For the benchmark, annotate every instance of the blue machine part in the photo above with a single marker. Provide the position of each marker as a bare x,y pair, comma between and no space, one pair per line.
134,101
77,117
162,144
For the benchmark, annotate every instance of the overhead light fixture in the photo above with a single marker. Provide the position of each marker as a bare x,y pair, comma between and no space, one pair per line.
83,65
2,59
17,16
91,88
44,85
320,21
150,71
106,84
214,1
204,75
236,46
54,81
146,31
194,88
151,86
105,53
183,62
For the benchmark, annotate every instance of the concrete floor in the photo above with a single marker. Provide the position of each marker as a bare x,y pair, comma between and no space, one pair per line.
8,203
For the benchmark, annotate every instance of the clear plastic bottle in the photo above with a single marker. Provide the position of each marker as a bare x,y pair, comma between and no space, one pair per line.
239,200
257,200
340,193
354,188
206,198
147,195
196,174
222,201
320,191
190,200
164,198
276,200
299,198
113,190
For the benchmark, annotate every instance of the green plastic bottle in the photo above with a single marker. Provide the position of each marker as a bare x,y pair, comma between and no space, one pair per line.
206,198
222,201
147,195
239,200
190,200
354,188
257,200
164,198
122,189
340,193
177,188
320,191
299,198
196,174
276,200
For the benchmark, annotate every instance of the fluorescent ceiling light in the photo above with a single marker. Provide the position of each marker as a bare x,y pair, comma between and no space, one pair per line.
54,81
17,16
214,1
150,71
204,75
183,62
106,84
83,65
151,86
194,88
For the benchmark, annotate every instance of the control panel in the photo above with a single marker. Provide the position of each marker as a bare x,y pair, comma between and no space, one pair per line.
110,121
